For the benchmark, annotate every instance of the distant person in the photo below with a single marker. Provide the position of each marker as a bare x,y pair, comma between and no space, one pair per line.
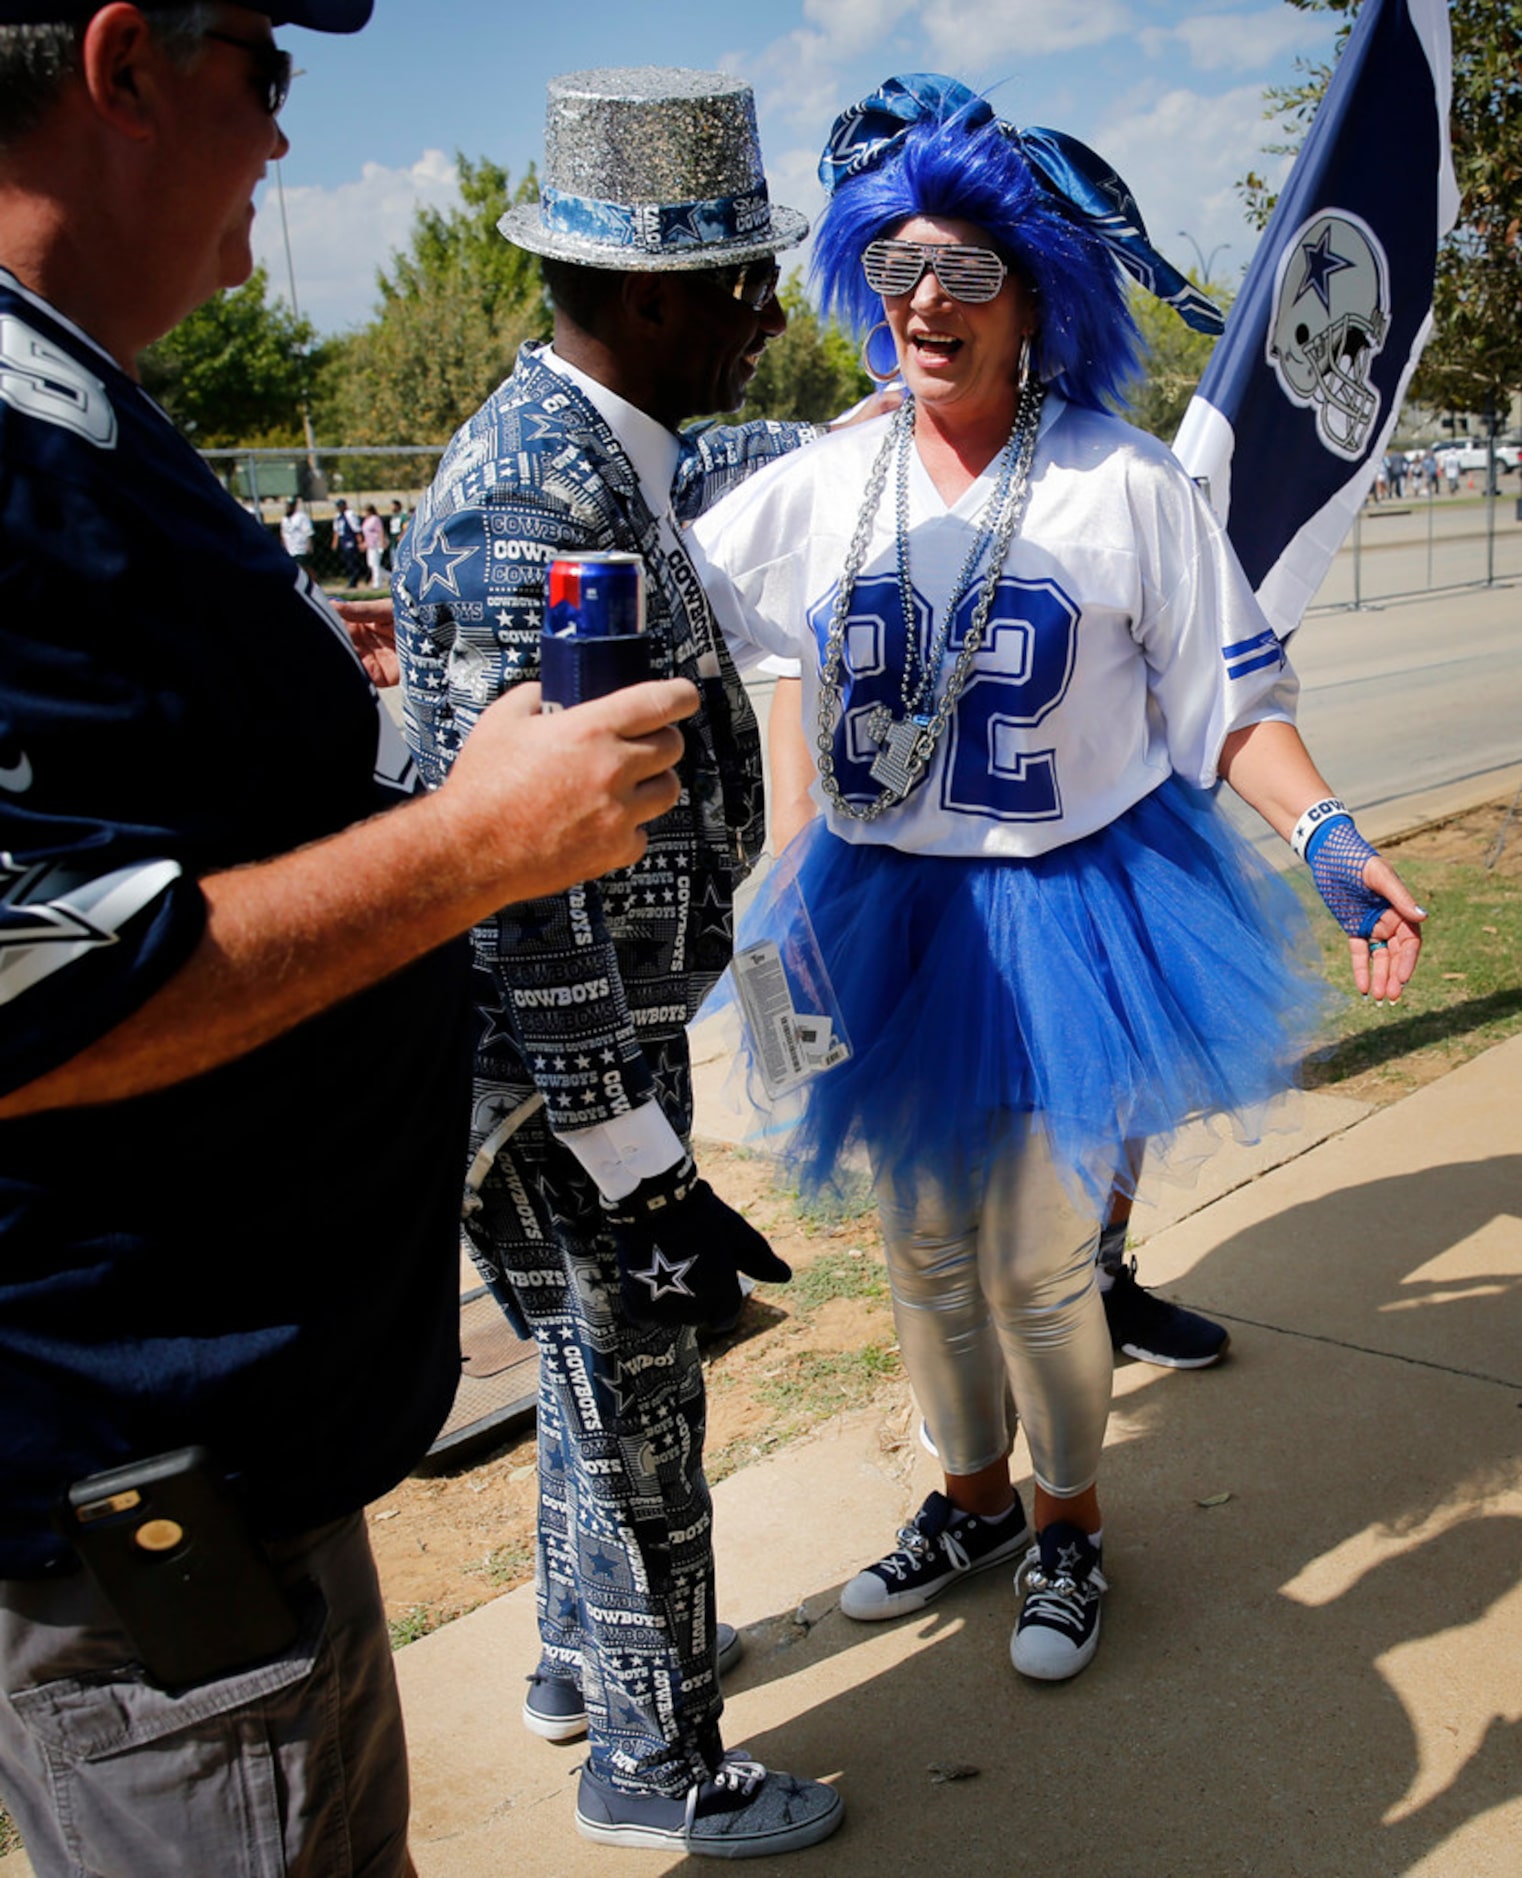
346,543
396,527
372,532
1451,470
296,531
1395,470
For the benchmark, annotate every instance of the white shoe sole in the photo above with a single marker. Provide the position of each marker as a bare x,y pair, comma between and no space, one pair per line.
901,1603
561,1728
1139,1355
674,1839
1058,1669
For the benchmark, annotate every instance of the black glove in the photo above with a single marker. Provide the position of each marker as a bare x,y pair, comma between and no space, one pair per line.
681,1251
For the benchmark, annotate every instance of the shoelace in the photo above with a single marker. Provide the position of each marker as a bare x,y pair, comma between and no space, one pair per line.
916,1548
736,1774
740,1776
1061,1599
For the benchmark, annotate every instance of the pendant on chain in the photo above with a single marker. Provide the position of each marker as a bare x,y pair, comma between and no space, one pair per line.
898,765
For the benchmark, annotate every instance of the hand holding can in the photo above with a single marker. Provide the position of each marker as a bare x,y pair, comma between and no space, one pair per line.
594,628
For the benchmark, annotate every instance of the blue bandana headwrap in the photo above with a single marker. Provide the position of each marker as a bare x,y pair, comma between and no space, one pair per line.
1082,181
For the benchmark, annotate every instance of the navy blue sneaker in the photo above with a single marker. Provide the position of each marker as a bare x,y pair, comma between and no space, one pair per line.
1152,1330
553,1708
743,1811
1058,1630
937,1547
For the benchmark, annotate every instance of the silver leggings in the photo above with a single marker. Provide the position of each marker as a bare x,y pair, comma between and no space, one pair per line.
994,1296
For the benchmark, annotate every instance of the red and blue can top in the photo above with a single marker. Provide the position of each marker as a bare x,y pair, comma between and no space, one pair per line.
595,596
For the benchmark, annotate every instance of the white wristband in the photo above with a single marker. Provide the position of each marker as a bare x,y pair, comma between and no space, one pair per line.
1312,819
621,1153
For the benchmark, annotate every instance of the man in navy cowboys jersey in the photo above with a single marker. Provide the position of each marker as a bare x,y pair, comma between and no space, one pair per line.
234,1046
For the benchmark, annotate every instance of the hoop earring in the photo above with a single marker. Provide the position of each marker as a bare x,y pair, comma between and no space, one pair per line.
878,378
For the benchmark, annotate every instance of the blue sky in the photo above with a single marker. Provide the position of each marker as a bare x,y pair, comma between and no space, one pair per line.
1169,91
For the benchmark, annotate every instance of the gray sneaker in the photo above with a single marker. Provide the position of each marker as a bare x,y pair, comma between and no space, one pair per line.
743,1811
554,1710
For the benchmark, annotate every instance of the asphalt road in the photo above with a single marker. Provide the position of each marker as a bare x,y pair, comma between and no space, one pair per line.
1408,695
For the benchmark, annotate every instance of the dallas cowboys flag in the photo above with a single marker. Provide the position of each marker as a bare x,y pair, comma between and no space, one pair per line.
1303,391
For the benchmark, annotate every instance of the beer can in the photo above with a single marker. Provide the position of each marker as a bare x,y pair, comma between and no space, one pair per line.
595,596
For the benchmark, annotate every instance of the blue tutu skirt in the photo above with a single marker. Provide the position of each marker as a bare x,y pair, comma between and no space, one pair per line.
1115,988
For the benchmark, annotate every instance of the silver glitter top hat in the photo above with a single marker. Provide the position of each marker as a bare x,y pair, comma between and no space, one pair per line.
652,167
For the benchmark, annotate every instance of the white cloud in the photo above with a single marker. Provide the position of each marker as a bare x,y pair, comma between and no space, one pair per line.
799,77
962,31
1248,42
845,46
792,176
1182,156
340,236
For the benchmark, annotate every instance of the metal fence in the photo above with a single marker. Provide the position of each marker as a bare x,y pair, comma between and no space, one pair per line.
1427,542
1424,542
265,481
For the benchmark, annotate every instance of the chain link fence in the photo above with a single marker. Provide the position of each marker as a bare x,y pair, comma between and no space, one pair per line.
391,478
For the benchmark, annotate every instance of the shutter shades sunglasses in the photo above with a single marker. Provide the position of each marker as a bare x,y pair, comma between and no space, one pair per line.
973,275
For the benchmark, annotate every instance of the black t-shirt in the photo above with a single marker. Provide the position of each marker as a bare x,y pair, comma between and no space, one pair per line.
262,1259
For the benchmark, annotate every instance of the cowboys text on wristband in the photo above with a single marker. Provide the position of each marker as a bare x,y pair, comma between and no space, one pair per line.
1313,818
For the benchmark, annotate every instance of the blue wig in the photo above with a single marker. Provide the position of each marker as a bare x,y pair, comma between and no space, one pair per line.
1087,346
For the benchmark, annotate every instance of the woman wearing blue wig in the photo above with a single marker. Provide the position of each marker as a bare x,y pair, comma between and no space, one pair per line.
1028,653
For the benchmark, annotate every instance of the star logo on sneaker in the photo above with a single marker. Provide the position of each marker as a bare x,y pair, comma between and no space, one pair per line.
665,1275
1069,1558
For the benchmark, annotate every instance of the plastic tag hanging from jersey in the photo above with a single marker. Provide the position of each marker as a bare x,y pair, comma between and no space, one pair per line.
792,1016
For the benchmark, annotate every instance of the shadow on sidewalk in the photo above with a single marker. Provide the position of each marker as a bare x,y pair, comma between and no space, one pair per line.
1317,1676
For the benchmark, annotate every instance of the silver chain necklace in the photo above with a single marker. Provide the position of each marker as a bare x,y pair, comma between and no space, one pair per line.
907,744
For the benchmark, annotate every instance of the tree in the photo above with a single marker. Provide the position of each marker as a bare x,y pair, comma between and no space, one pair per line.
236,370
1175,361
1474,359
812,371
453,311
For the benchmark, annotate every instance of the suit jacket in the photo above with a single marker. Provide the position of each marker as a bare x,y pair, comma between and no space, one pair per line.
569,987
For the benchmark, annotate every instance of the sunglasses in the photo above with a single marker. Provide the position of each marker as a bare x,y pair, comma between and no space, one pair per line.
272,68
894,268
752,283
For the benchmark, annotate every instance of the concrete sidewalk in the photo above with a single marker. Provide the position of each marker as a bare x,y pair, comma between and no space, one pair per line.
1321,1674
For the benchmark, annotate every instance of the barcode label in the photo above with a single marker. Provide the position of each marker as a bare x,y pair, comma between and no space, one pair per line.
769,1015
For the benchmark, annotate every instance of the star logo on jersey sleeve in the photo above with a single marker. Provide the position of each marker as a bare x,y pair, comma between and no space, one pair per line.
440,564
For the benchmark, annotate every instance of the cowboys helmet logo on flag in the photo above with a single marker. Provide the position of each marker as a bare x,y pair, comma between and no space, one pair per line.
1331,318
1304,389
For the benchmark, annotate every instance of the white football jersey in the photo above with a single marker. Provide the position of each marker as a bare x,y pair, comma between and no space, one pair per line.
1124,641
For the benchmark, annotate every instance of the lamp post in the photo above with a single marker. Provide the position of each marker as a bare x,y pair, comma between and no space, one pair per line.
290,268
1205,265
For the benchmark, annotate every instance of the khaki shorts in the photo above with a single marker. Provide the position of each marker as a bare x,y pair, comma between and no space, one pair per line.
295,1767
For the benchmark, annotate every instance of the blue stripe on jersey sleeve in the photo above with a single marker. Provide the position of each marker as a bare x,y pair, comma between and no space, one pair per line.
1273,657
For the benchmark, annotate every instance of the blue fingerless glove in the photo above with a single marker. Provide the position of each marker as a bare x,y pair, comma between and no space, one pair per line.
1336,854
